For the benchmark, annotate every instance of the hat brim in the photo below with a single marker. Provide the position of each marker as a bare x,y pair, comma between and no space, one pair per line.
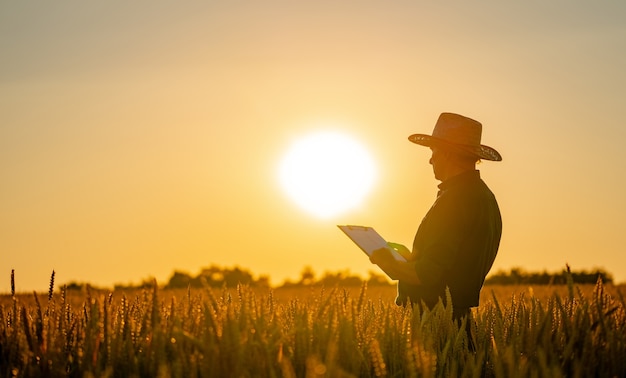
480,151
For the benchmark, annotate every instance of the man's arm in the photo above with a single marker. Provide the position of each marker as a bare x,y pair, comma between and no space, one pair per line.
397,270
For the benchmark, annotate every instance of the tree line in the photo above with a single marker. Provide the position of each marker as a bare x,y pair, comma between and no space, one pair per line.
518,276
217,276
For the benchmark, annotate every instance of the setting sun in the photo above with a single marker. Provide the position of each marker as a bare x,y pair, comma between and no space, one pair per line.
327,173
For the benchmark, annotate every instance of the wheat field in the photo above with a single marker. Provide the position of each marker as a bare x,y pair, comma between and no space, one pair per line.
569,331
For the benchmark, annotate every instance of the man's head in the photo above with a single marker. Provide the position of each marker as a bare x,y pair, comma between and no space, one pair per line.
448,163
457,135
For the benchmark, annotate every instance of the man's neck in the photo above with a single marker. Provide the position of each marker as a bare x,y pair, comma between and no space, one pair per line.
456,170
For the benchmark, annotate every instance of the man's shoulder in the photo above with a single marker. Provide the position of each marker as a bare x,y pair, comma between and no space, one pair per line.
468,184
470,197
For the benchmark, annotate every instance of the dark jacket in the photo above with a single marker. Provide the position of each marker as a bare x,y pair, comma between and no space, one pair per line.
455,244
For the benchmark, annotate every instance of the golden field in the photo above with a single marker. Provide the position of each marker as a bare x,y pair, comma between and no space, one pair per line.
310,332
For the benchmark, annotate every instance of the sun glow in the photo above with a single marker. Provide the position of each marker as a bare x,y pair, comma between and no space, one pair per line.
327,173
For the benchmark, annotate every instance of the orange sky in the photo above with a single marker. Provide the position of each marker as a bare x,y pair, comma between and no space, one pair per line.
138,138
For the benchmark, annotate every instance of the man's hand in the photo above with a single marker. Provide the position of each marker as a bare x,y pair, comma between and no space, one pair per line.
396,270
382,256
402,251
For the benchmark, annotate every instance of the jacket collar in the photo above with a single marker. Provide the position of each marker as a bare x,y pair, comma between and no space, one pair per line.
459,179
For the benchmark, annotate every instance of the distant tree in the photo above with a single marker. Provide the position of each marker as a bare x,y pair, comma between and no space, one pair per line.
213,276
75,285
237,276
307,276
263,281
376,279
179,280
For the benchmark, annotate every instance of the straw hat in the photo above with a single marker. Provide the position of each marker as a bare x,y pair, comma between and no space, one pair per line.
458,133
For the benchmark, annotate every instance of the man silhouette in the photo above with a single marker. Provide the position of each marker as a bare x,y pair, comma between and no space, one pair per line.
458,239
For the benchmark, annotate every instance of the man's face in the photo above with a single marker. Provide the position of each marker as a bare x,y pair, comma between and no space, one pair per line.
439,160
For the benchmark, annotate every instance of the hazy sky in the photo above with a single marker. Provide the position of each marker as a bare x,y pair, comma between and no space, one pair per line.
142,137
